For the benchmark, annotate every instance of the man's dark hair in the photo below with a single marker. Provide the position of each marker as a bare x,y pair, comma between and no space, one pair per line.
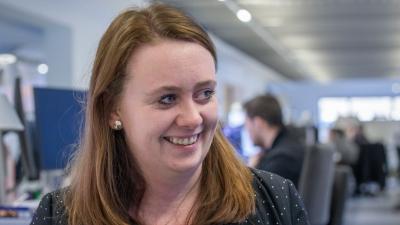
266,107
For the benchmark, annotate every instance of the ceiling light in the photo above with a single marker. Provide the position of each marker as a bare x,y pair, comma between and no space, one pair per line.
43,69
298,41
243,15
318,73
274,22
6,59
307,55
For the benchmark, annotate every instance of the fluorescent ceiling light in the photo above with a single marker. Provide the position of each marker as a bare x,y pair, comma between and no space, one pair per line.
306,56
274,22
319,73
243,15
6,59
302,41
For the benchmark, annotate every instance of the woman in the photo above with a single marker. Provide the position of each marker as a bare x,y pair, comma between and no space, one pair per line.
152,152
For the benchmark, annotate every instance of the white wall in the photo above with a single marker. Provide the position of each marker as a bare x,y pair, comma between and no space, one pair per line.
242,71
244,76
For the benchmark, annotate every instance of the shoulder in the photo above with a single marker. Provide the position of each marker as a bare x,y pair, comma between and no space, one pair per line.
283,152
51,209
277,199
289,147
270,183
293,142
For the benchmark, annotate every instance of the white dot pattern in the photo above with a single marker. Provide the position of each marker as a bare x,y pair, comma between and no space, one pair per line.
50,210
277,202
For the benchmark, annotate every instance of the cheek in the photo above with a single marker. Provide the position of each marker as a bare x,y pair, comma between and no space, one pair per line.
211,113
136,123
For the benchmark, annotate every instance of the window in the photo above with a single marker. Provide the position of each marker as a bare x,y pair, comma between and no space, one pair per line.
375,108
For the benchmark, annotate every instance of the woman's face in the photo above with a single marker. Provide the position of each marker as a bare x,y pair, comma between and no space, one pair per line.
168,108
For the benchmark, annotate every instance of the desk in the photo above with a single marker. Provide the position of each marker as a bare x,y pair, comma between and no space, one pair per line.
15,221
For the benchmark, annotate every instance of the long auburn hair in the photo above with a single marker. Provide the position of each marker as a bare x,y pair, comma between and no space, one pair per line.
105,179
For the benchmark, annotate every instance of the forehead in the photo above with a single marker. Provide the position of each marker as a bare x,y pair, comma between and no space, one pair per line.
170,62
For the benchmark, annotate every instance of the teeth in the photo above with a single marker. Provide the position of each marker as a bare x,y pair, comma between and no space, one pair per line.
183,141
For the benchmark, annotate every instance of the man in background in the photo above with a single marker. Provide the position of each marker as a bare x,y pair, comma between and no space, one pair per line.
283,152
347,151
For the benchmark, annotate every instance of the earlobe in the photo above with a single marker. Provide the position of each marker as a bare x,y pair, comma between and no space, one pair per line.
117,125
114,116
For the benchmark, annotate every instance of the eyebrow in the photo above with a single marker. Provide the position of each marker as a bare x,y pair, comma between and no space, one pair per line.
212,83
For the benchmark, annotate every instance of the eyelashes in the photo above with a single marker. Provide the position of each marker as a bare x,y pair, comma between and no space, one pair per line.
167,99
206,94
201,97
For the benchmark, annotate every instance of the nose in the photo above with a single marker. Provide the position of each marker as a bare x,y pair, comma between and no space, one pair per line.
189,115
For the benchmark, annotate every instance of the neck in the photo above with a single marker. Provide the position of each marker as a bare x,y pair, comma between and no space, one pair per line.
167,196
173,187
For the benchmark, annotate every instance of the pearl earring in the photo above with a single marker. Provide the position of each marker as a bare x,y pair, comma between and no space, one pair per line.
117,125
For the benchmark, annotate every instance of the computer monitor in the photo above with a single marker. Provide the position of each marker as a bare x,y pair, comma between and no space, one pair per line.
59,118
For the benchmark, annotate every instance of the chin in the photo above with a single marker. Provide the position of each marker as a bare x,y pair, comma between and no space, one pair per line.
186,165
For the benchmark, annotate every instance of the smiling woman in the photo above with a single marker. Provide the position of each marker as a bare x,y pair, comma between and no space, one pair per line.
171,82
152,152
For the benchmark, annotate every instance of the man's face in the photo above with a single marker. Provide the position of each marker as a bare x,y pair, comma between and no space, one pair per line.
252,126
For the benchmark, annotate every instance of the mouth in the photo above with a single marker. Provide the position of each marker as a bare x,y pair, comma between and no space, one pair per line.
183,141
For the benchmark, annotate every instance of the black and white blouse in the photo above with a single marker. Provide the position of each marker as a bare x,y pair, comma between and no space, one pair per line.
277,203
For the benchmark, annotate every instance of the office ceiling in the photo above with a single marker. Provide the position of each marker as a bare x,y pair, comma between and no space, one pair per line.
320,40
20,38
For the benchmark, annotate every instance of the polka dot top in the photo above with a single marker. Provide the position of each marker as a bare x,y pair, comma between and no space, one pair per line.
277,203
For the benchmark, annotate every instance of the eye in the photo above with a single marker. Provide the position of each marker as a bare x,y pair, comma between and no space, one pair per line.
167,99
205,94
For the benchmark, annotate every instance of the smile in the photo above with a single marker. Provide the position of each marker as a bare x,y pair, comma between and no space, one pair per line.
183,141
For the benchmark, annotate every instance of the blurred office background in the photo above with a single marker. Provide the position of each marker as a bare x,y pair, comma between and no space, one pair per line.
333,64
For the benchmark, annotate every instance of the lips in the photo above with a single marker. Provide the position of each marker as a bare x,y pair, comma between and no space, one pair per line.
183,140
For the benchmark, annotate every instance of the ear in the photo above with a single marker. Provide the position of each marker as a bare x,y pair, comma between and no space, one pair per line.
114,115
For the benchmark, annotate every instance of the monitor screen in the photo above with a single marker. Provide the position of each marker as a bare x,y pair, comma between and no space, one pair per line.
59,121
